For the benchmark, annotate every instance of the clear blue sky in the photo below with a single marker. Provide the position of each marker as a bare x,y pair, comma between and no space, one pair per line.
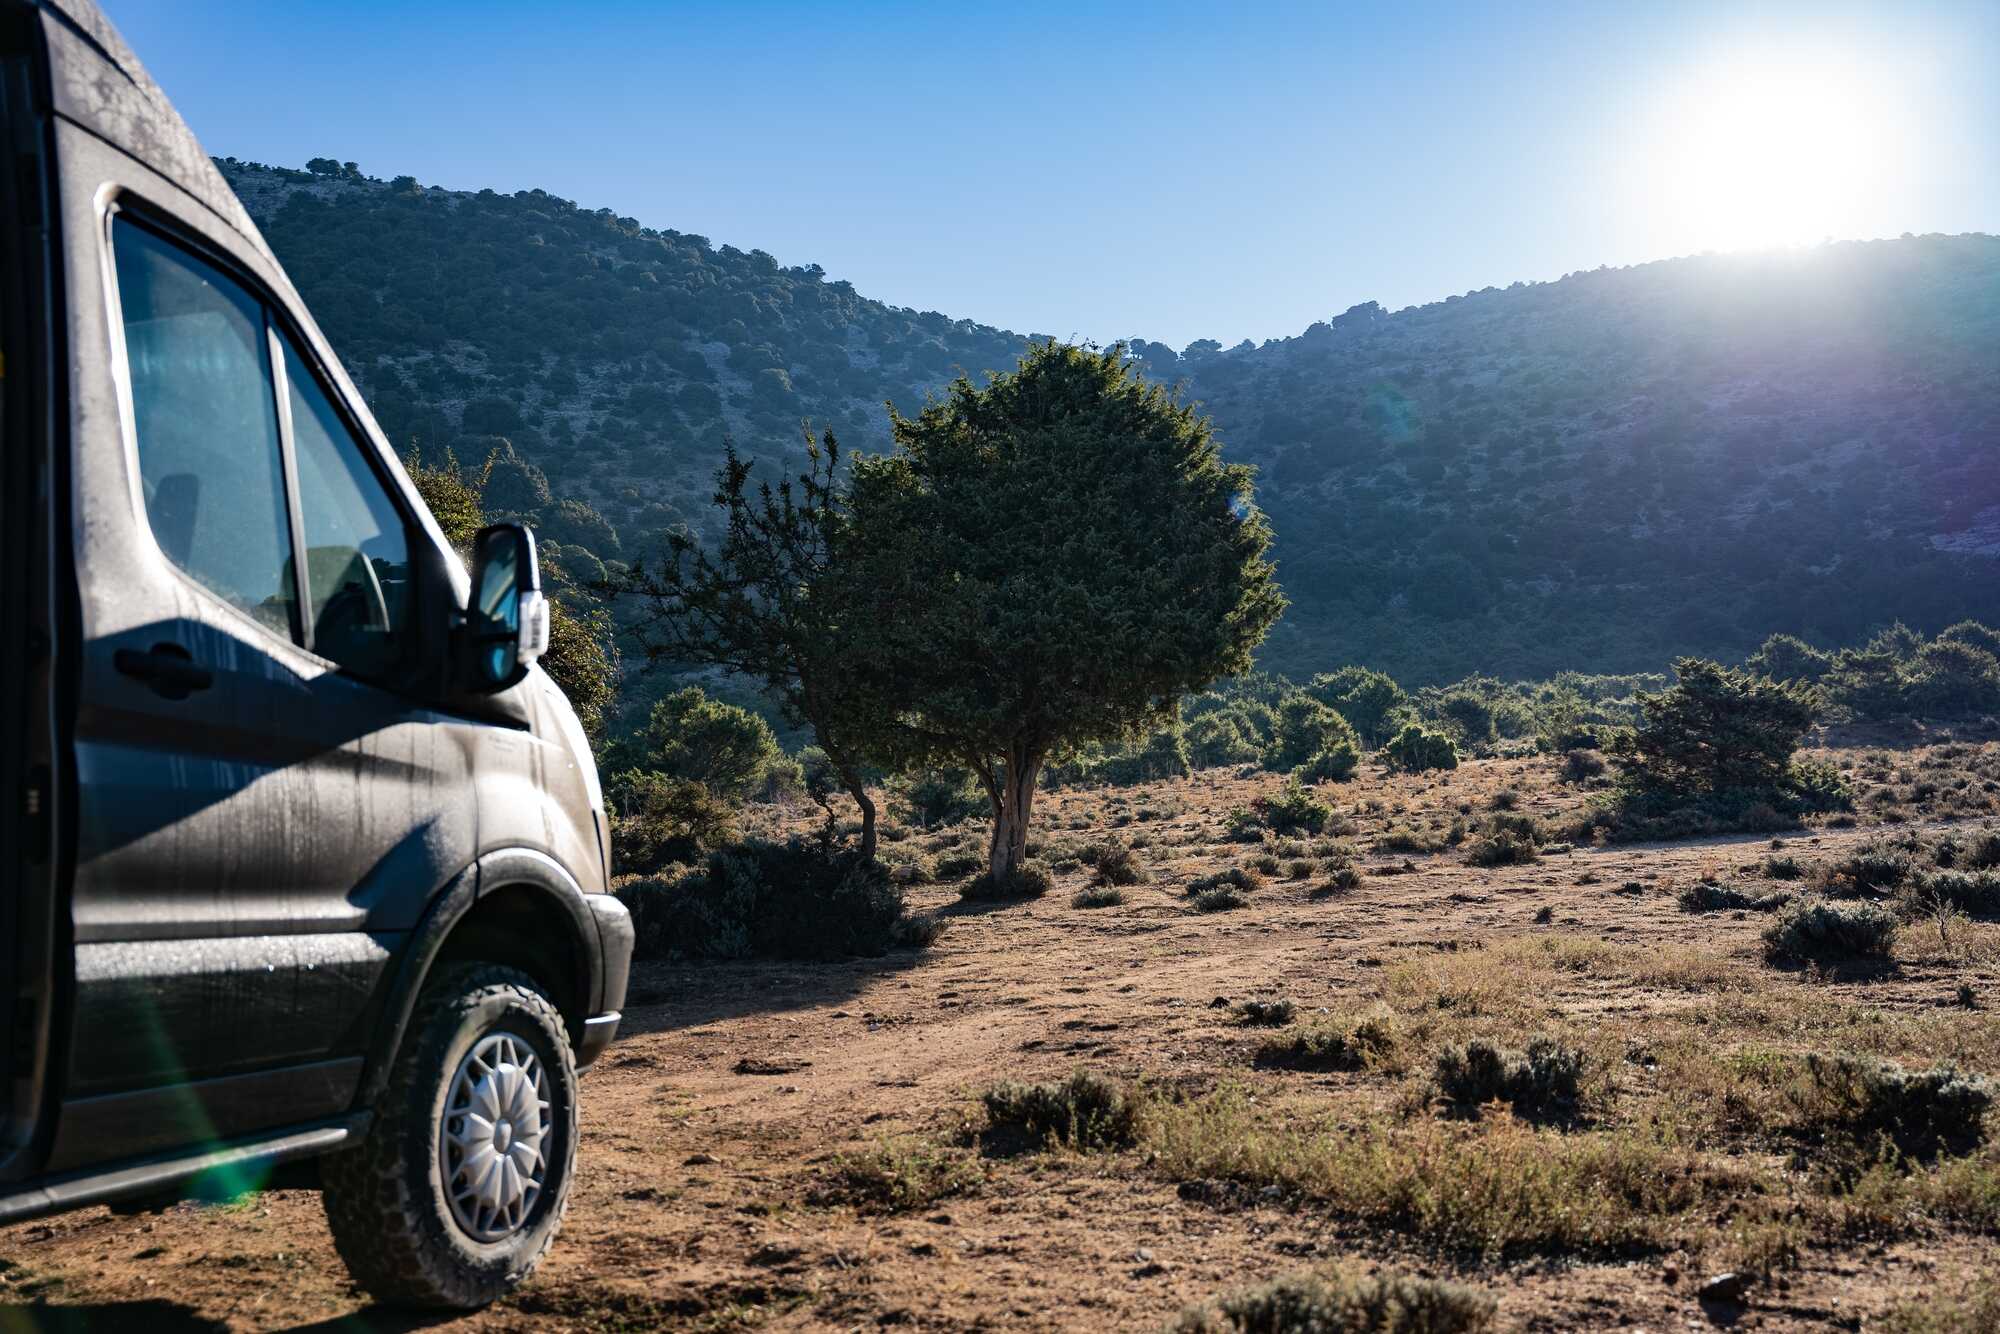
1172,172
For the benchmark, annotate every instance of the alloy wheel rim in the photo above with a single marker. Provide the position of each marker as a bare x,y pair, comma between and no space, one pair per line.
496,1119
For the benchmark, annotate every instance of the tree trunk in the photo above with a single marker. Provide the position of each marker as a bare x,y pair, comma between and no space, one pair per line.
1016,798
860,794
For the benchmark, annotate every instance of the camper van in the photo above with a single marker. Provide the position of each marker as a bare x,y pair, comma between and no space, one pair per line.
305,858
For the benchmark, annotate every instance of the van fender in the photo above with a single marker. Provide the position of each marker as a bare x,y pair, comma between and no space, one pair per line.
555,892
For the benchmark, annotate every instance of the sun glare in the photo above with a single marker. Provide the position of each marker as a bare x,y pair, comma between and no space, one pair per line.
1773,152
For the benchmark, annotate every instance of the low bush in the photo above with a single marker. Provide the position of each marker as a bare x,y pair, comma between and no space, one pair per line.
1268,1014
1085,1111
1098,896
1219,900
1580,766
1818,930
1784,867
1242,825
1976,893
957,865
658,821
1116,866
899,1175
1877,868
1540,1084
1030,882
792,900
1292,810
1417,749
1505,848
1342,1303
1354,1043
1342,878
1707,896
1232,877
1922,1112
1335,764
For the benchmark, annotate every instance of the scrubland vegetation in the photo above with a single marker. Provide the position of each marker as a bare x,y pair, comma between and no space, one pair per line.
1040,926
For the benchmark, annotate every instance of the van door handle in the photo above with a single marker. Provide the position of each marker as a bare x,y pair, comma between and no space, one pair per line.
167,668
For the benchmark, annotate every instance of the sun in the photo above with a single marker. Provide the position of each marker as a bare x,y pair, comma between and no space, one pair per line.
1772,152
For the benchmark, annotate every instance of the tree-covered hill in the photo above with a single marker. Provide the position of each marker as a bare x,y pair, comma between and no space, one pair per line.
1601,472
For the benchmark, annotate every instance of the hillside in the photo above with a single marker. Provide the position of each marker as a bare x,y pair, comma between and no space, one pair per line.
1599,472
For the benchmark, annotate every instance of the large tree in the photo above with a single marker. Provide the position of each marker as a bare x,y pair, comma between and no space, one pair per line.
1053,559
772,601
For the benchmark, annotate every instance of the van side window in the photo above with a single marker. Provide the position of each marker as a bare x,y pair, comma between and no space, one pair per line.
207,425
357,548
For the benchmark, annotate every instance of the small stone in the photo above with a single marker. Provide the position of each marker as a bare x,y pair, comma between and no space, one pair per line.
1724,1288
1670,1274
700,1160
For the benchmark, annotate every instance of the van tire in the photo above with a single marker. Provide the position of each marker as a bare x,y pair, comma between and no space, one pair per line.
386,1199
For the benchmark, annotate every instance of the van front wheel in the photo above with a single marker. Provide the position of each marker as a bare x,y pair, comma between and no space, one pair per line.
458,1190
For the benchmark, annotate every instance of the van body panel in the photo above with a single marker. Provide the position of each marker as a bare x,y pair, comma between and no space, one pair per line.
251,892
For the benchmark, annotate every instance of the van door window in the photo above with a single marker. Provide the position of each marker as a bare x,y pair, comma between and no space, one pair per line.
207,426
357,547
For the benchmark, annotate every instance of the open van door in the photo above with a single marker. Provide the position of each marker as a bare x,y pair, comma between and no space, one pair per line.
30,981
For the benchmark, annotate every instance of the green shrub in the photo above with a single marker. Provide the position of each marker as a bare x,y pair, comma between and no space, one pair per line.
1367,699
1784,867
934,798
1098,896
1816,929
718,745
1340,1303
1469,716
1720,731
1221,899
1243,826
1951,678
1030,882
1333,765
1292,810
1085,1111
1541,1084
1223,738
1921,1111
1417,749
1789,658
1304,728
792,900
658,821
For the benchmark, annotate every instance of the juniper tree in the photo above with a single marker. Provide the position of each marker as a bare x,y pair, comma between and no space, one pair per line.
1053,559
1718,730
772,602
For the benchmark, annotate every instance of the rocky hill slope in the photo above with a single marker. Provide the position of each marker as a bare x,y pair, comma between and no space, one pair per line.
1598,472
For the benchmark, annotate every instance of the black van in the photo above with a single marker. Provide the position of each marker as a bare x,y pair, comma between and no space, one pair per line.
305,859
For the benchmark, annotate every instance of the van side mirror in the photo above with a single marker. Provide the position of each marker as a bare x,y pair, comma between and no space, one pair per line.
506,624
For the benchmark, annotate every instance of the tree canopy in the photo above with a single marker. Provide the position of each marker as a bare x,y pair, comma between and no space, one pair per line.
1049,560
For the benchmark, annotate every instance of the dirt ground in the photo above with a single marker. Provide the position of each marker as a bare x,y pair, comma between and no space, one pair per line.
712,1129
